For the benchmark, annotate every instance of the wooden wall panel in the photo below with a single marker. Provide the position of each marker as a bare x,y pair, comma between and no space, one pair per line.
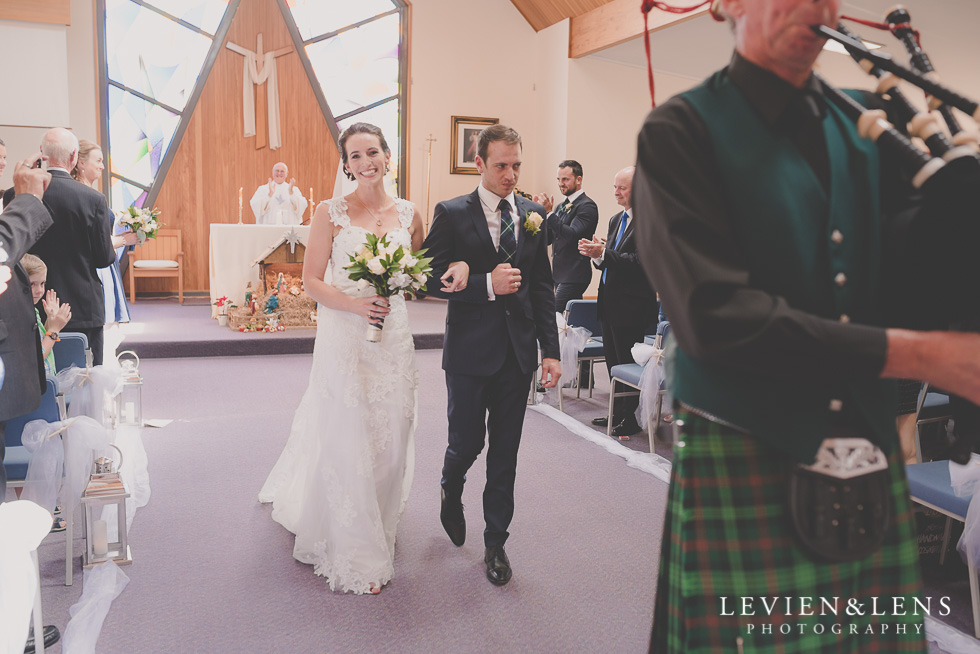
54,12
214,159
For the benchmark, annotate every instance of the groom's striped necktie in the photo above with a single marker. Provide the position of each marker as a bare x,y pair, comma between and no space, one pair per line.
508,239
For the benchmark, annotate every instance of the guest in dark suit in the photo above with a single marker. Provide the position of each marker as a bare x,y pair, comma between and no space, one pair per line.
21,225
498,313
572,220
627,303
80,241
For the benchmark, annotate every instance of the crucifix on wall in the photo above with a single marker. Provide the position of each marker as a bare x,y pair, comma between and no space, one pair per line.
260,67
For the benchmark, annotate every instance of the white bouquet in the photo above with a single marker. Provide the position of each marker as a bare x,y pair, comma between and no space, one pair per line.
142,221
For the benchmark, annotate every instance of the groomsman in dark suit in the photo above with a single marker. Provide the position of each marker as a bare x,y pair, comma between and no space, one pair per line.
80,241
21,224
501,307
572,220
627,303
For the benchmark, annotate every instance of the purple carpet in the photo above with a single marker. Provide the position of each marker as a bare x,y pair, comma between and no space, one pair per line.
212,572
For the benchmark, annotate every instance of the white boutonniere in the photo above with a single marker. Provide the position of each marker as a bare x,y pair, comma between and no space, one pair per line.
532,222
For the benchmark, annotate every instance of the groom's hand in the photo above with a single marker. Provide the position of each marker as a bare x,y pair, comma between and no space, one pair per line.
550,372
505,279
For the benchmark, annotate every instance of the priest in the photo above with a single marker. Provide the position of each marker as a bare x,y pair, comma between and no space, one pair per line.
276,202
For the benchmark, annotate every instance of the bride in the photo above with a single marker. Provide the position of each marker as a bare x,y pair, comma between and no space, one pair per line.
344,476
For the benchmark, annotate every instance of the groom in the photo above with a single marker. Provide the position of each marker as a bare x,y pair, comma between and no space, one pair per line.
496,318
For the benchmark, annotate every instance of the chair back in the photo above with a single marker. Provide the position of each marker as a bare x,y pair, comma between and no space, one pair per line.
663,330
584,313
49,411
164,247
70,350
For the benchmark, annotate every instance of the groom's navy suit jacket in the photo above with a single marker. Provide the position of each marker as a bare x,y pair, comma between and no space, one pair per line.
478,330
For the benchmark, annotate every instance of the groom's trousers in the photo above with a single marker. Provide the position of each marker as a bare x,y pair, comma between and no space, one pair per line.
478,406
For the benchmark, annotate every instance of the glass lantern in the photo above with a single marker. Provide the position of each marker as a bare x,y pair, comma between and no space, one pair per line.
100,545
129,402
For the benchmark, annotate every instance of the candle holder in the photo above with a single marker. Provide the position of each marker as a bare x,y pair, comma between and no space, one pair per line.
129,402
100,546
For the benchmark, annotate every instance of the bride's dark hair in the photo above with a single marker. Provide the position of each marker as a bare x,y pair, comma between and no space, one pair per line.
359,128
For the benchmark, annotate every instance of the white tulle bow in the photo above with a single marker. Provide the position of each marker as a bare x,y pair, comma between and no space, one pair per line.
571,341
651,383
61,463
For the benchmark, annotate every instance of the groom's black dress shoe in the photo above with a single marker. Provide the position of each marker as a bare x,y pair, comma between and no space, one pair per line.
601,421
452,519
498,565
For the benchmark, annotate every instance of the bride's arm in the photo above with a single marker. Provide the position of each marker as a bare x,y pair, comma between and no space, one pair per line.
418,232
317,257
458,271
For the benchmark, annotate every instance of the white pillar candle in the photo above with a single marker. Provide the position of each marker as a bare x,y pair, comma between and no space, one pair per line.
130,413
100,538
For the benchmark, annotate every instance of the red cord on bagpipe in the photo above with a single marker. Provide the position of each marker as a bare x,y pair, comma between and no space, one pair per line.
649,5
646,8
885,27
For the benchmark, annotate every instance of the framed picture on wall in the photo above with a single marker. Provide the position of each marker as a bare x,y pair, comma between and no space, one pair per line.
465,132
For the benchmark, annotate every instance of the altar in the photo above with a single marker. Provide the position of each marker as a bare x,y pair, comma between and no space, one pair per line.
231,250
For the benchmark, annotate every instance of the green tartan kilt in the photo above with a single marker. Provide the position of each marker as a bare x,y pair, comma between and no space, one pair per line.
727,534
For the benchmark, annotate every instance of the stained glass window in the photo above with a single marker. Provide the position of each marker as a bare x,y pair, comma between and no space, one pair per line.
152,54
356,51
122,194
140,133
358,67
317,17
155,51
205,14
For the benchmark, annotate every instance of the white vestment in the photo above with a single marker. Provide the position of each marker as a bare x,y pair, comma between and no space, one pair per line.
282,208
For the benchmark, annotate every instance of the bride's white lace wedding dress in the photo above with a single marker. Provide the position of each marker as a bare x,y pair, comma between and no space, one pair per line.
344,476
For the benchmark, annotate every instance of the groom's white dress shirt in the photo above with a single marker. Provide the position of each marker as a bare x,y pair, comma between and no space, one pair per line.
490,202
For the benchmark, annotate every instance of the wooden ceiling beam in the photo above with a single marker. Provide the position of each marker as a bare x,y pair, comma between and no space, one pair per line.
615,22
544,13
54,12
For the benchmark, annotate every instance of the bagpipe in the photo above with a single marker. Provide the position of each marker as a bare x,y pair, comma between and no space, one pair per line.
943,168
946,172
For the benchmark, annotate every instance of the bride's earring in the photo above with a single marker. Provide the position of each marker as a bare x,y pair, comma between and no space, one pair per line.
387,167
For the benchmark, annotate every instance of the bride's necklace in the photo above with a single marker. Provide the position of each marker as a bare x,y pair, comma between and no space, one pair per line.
377,221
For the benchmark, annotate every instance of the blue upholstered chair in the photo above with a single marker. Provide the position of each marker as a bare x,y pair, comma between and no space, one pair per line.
932,407
71,350
930,485
17,459
585,313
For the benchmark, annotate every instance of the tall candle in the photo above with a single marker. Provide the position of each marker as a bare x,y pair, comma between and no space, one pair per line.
100,538
240,204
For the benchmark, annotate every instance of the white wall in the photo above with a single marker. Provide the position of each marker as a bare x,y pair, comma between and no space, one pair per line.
608,102
477,58
56,83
